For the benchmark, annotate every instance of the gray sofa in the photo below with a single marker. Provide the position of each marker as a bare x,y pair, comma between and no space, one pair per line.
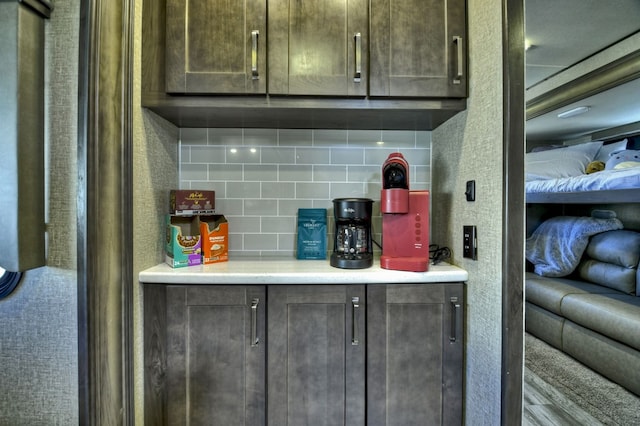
594,314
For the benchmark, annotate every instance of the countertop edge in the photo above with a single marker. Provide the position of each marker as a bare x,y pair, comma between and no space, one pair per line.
287,271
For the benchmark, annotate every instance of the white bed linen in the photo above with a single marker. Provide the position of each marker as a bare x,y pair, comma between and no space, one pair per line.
628,178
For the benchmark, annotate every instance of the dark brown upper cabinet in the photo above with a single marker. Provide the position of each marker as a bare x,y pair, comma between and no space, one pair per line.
418,48
344,64
216,46
318,48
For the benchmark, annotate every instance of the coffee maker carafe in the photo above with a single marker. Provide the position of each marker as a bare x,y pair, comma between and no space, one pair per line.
352,248
405,219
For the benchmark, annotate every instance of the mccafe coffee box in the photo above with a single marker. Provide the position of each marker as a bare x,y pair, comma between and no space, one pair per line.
214,231
183,241
185,202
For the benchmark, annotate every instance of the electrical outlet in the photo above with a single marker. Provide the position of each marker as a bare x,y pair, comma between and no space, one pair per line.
470,242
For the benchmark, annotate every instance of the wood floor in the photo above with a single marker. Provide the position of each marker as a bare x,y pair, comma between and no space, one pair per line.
546,406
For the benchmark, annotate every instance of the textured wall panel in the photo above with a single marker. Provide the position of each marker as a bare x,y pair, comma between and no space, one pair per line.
469,147
38,340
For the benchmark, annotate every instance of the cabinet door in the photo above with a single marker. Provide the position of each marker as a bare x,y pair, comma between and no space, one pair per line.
418,48
414,354
216,46
316,355
216,355
318,47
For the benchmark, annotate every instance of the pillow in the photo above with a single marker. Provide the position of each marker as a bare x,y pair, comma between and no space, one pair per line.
558,163
623,159
612,259
557,245
603,153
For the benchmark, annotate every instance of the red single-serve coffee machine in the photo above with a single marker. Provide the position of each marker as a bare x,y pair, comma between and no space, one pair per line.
405,219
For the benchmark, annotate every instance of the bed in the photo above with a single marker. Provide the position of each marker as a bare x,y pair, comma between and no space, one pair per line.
558,176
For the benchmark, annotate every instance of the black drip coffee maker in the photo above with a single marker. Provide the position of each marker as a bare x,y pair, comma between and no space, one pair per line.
352,248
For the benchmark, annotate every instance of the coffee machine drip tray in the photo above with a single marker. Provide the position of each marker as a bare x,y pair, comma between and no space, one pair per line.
351,261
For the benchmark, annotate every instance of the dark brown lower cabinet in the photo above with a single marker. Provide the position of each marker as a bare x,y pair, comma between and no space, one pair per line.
414,354
215,355
301,355
316,355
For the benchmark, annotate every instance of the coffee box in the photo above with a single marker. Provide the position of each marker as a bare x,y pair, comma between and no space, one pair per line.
185,202
214,231
183,241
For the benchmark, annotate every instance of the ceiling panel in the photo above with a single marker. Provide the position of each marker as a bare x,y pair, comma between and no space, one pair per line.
565,32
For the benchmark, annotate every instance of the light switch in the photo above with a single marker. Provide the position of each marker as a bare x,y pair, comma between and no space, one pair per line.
471,190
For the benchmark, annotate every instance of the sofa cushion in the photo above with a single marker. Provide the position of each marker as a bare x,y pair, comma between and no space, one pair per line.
611,259
608,275
620,247
614,315
548,292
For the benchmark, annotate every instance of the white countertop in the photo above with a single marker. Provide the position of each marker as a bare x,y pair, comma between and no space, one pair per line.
292,271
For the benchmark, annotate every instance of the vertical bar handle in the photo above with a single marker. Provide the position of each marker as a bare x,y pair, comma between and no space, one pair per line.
455,309
254,322
355,306
254,55
358,54
457,79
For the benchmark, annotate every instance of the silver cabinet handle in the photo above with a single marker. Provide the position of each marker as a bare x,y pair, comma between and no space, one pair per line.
457,79
355,305
254,55
358,48
254,322
455,308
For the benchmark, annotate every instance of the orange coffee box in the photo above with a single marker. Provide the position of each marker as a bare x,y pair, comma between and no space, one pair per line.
214,232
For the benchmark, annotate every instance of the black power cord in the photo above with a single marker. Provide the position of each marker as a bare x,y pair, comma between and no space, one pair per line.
438,254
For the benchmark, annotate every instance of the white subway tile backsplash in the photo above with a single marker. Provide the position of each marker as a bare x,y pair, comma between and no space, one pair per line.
228,137
226,172
313,155
243,224
245,190
288,173
229,206
261,241
398,139
255,207
329,173
312,190
207,154
278,190
263,176
290,207
330,138
278,155
278,224
364,173
260,137
347,155
257,172
286,242
190,136
295,137
194,172
348,190
365,138
243,155
421,175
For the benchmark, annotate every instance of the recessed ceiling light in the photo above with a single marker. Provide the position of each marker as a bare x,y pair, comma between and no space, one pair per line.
574,111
